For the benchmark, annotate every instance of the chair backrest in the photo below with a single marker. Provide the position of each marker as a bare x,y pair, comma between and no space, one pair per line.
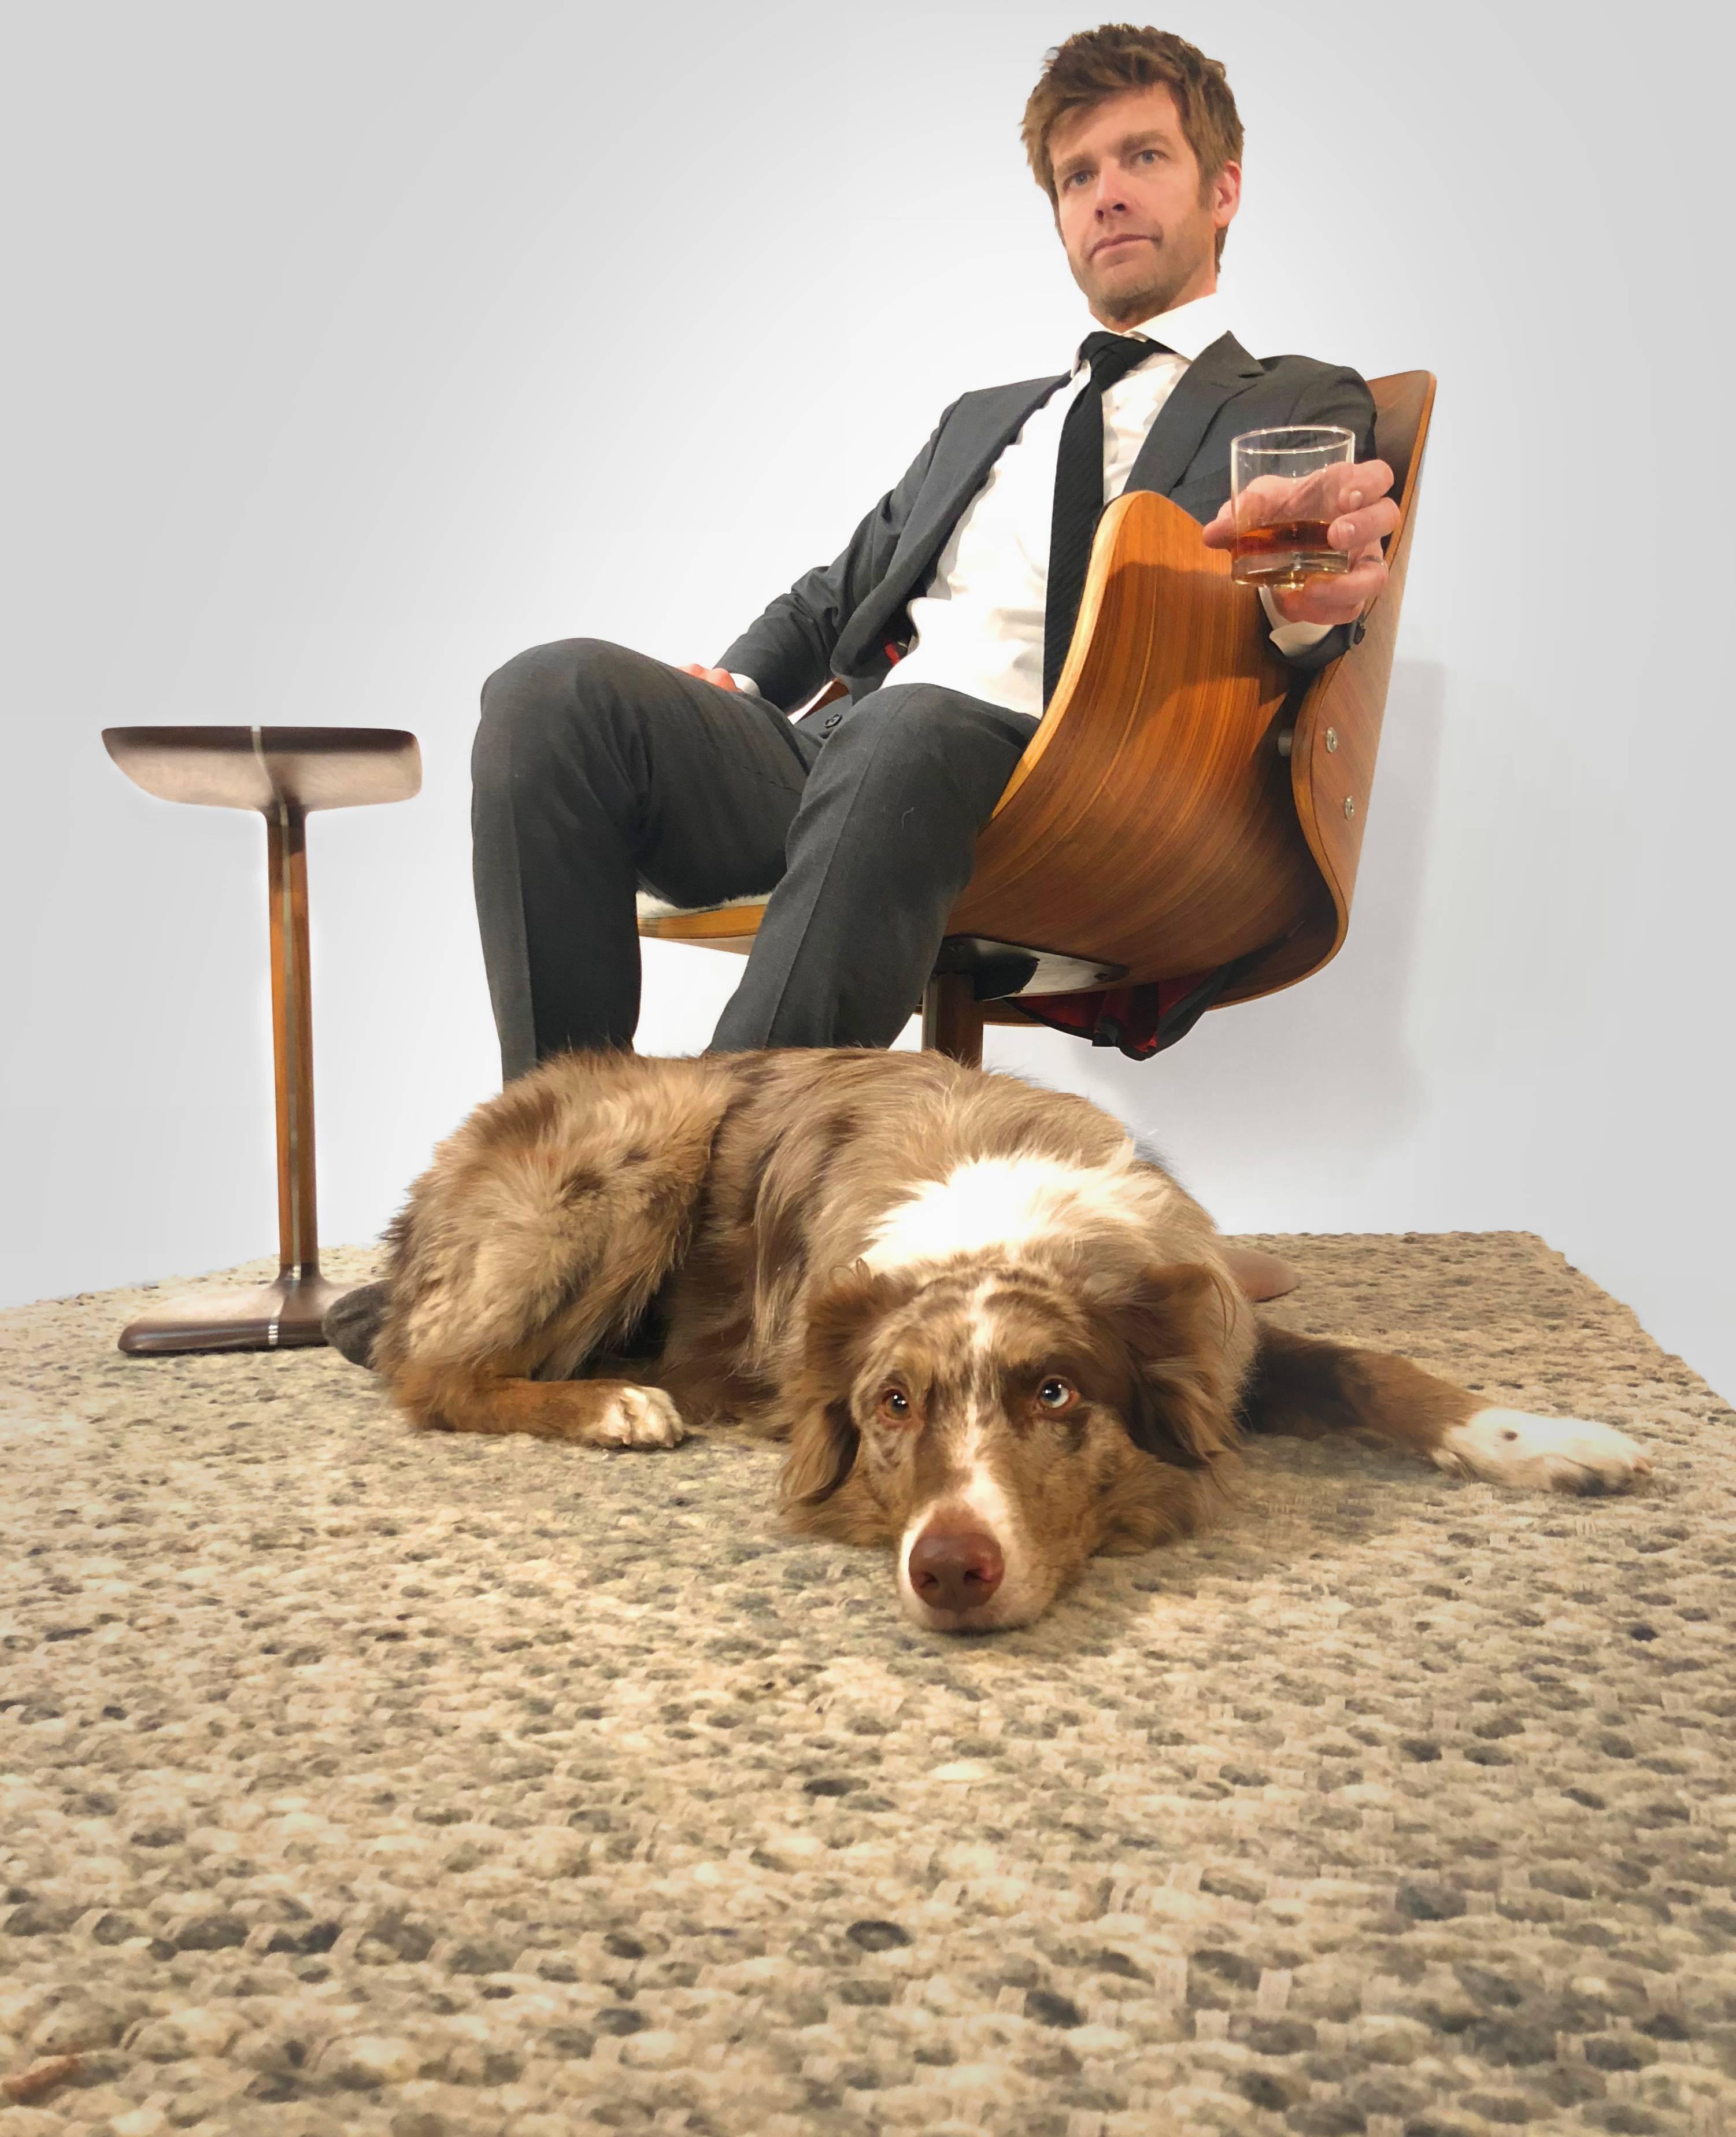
1402,406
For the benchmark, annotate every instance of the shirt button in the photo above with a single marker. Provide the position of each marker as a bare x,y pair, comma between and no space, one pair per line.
831,721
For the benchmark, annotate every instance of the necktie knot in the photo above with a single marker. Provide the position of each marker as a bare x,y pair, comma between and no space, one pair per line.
1112,356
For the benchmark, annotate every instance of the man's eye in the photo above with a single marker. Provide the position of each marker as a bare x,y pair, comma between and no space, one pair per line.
894,1406
1055,1394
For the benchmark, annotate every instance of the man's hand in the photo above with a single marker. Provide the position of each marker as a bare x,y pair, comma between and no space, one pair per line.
721,676
1354,499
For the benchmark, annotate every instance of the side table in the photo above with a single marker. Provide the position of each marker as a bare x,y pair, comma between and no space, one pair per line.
285,773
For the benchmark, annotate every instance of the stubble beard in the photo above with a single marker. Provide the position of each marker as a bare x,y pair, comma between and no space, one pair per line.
1154,294
1157,290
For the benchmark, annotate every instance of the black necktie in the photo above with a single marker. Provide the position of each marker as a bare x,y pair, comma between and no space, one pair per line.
1079,493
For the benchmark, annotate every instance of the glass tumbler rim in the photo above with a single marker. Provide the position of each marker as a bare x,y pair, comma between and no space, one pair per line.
1248,439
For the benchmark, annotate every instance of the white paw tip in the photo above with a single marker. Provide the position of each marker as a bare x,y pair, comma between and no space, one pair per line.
1542,1453
643,1417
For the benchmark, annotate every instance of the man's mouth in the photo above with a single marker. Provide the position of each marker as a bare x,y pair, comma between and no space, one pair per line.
1126,237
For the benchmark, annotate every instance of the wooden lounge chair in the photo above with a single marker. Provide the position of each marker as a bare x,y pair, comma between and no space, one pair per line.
1190,811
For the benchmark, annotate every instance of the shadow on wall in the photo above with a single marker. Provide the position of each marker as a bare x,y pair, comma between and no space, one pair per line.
1224,1105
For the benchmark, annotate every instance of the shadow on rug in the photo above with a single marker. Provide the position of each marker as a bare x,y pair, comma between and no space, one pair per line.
351,1781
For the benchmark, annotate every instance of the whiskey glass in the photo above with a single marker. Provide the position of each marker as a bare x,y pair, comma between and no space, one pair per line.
1286,485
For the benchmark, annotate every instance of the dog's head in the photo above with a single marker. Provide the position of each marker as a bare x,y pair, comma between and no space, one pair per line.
999,1420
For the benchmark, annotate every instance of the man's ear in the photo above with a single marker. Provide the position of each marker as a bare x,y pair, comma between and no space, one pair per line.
1225,189
1172,1318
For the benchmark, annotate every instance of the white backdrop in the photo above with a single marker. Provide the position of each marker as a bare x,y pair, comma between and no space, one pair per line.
353,348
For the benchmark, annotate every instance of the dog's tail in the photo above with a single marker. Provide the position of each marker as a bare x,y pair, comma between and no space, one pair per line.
1305,1386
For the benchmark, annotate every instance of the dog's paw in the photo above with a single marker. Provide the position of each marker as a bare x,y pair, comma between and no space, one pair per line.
629,1416
1542,1453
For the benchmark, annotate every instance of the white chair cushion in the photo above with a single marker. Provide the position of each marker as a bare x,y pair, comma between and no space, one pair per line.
650,907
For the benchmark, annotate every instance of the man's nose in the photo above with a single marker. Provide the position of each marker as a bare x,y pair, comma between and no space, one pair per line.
955,1569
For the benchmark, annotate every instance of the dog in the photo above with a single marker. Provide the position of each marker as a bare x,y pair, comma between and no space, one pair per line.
994,1336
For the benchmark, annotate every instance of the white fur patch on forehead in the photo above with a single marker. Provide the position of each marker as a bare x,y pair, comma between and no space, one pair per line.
982,1319
1005,1202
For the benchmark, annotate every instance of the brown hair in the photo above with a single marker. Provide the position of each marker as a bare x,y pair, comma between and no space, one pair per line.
1097,65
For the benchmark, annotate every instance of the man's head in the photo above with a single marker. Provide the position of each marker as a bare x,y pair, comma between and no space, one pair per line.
1134,135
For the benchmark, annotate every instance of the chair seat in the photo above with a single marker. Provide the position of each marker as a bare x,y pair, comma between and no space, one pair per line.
267,768
729,925
1000,970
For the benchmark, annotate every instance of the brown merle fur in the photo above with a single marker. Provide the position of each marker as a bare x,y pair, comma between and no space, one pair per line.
1128,1468
726,1201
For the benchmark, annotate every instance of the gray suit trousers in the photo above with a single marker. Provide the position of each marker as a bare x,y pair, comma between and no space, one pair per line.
598,771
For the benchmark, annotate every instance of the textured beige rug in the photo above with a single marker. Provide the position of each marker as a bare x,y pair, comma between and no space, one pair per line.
351,1781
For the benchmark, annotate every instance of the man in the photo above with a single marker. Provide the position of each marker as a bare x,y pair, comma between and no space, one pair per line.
599,770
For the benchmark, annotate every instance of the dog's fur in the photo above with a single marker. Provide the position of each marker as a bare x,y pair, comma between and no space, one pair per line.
993,1334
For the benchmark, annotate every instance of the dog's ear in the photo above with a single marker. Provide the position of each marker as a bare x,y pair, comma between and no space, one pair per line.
842,1316
822,1444
1172,1318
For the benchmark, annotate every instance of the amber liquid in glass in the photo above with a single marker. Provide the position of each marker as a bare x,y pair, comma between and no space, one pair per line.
1290,549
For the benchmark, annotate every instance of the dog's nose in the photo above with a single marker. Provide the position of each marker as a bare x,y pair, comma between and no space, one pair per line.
956,1569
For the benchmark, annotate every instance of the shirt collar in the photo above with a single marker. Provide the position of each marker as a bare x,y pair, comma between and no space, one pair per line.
1190,329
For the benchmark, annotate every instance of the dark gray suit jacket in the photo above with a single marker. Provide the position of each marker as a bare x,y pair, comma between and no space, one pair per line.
842,618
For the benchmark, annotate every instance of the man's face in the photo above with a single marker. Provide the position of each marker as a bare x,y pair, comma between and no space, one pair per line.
1139,237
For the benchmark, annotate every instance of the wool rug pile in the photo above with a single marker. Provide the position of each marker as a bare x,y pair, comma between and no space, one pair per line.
357,1780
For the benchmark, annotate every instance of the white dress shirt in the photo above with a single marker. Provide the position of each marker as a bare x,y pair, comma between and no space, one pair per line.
978,626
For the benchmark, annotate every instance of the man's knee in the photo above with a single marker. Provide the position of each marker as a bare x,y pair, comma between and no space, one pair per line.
536,705
548,679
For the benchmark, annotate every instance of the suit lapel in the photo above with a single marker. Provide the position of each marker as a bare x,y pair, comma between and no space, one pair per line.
1214,375
940,505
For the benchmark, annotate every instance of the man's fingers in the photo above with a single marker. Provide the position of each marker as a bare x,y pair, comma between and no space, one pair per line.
1356,528
721,676
1322,600
1334,596
1220,534
1367,480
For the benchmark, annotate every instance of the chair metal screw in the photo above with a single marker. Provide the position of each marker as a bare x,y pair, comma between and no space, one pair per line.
1349,805
1332,738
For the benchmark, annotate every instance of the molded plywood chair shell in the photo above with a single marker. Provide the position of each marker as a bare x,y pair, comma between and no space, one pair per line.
1187,800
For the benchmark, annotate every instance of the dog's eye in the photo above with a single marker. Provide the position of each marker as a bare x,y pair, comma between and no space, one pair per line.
1055,1394
894,1406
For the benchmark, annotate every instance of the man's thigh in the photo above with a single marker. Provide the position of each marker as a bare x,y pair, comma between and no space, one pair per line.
702,782
724,777
919,760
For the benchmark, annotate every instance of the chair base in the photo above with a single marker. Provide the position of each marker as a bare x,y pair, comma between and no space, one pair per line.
281,1316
